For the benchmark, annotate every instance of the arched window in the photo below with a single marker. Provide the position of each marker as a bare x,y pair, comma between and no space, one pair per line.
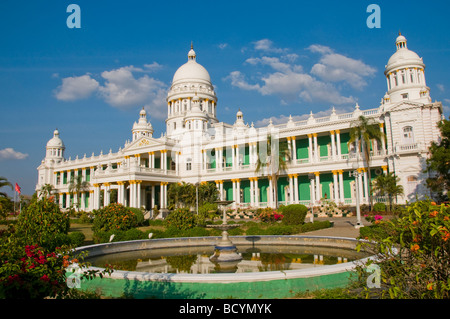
408,135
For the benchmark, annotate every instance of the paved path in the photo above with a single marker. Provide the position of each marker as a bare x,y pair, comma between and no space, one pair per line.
343,227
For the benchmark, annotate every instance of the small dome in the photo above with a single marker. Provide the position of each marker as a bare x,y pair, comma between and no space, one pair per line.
403,56
56,141
191,70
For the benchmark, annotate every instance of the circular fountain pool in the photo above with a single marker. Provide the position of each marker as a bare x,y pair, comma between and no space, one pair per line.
271,267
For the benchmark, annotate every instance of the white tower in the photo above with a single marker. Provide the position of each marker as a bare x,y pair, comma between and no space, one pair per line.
405,75
190,81
142,127
55,149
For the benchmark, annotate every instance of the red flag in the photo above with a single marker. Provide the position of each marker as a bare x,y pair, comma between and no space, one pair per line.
17,188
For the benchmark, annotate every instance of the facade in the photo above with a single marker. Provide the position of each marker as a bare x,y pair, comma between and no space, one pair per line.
198,148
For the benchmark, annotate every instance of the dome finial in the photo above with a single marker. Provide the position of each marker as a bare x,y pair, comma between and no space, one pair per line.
192,45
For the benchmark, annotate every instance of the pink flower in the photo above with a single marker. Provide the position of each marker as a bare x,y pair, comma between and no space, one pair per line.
378,217
45,278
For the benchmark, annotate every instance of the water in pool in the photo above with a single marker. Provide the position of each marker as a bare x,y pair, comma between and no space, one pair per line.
195,260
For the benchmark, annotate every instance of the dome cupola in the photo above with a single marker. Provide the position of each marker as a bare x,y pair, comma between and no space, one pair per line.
191,95
142,127
55,147
405,74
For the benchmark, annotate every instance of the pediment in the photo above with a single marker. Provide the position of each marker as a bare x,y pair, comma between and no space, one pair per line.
144,143
404,105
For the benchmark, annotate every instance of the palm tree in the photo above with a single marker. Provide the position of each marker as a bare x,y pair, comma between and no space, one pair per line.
362,132
78,186
46,190
273,159
388,185
4,182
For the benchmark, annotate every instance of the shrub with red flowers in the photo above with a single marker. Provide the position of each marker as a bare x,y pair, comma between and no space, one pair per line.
32,272
413,252
268,215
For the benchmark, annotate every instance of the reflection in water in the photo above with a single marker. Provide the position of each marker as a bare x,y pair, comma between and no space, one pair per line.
196,260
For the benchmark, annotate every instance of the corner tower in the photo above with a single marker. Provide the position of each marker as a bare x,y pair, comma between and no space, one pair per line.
405,75
189,81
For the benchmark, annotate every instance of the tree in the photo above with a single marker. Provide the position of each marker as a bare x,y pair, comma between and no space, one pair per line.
78,186
46,190
273,159
439,162
387,185
183,195
4,182
362,132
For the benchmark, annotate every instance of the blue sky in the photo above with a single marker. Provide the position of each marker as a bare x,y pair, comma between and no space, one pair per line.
269,58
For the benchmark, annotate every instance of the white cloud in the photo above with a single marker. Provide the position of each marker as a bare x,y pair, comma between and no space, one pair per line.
120,89
222,45
9,153
334,67
290,82
267,46
76,88
441,87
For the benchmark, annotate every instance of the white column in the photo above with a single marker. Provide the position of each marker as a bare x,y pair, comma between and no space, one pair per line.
256,192
294,149
237,157
310,149
341,186
132,198
252,190
238,190
336,187
312,189
153,196
318,195
61,199
289,144
295,187
366,185
138,194
338,142
333,146
291,189
270,197
161,195
360,184
83,201
316,147
383,143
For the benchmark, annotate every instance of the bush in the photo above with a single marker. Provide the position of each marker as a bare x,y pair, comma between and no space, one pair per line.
77,239
139,215
379,207
413,253
294,214
114,217
181,219
43,223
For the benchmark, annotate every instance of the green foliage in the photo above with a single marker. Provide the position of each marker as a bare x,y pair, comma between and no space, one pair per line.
439,163
413,253
114,217
379,207
181,219
139,215
208,211
43,223
119,235
76,239
294,214
184,195
33,272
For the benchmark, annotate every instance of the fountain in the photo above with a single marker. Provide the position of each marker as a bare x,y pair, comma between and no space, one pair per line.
225,255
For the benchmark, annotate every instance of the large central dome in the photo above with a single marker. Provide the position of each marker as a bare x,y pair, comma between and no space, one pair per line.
191,70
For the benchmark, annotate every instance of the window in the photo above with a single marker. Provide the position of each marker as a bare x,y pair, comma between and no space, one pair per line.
408,135
189,164
405,96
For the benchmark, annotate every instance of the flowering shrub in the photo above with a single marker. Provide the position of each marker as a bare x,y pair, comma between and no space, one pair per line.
114,217
268,215
373,219
413,252
182,219
294,214
43,223
31,271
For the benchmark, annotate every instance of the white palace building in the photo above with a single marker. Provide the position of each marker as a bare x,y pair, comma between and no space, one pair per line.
198,148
